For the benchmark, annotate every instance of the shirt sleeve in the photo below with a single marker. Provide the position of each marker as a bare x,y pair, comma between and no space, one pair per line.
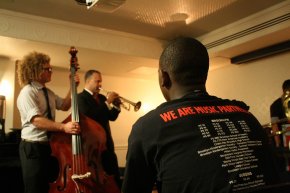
28,105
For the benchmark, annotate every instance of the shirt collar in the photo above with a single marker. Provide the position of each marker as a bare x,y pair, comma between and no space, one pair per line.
89,91
36,85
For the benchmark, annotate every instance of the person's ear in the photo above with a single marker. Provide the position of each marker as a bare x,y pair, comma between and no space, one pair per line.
165,79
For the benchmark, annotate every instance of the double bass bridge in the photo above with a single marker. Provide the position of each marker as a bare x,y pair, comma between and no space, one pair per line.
80,176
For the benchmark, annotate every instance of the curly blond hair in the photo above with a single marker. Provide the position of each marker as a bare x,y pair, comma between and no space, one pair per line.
30,67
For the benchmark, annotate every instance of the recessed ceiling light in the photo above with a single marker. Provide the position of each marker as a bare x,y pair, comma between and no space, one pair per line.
179,17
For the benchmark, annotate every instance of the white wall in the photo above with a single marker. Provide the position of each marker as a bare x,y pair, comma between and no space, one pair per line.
257,83
7,81
133,89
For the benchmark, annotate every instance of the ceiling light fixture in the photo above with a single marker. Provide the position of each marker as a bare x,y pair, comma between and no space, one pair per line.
85,2
103,5
179,17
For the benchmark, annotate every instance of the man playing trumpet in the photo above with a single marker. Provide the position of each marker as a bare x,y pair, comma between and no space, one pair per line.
102,109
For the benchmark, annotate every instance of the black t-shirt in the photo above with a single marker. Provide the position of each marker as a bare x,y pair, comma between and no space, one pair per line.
198,143
277,109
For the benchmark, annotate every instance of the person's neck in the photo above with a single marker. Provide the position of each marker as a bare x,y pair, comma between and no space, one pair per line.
40,82
180,91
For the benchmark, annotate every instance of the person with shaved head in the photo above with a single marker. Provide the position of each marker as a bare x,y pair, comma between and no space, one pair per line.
196,142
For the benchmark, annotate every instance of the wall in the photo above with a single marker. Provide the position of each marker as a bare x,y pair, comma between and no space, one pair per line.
257,83
146,91
135,90
7,81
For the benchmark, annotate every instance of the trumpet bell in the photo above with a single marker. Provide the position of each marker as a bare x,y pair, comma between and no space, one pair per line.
137,106
129,103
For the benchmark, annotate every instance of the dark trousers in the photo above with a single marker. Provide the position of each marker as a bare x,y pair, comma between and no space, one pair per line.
34,159
110,164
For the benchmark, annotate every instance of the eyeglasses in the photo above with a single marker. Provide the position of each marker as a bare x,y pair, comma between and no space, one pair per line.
48,69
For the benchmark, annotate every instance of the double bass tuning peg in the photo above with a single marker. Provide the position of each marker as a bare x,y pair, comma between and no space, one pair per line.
74,60
73,51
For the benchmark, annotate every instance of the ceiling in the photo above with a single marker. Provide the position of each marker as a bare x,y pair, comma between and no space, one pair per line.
153,21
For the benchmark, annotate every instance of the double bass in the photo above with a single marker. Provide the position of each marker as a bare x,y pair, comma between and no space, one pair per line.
79,156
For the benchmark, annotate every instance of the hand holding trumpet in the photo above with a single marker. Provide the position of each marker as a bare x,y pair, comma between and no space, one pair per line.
118,101
114,98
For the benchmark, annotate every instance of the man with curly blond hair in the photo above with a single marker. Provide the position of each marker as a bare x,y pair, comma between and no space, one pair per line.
37,105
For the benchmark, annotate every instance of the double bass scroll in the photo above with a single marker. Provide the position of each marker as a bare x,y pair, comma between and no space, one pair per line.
79,155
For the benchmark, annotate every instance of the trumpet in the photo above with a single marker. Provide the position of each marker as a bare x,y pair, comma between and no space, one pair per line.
136,105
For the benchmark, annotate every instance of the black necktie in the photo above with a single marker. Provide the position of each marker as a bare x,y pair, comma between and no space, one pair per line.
49,116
